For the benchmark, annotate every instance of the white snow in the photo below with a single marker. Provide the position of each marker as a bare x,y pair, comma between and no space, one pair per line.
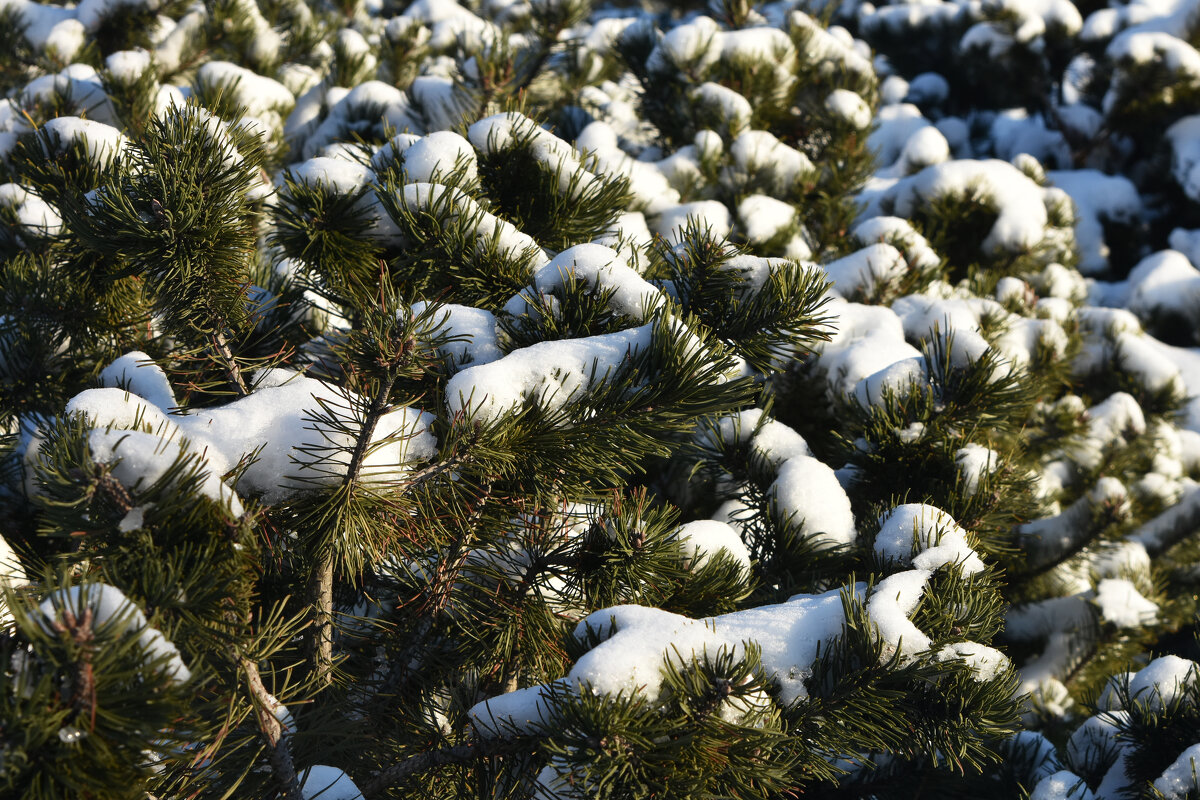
924,537
474,332
985,662
550,374
438,155
975,462
862,272
490,230
704,214
110,605
602,269
328,783
102,142
136,372
703,539
1163,679
139,460
33,213
288,422
807,493
1097,198
850,107
638,639
892,600
261,97
1181,778
1019,203
126,66
762,217
1062,785
501,131
1121,604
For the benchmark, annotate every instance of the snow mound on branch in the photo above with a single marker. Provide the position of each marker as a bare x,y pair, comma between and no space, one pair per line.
328,783
298,432
31,212
473,331
1019,203
109,604
552,374
925,537
602,269
497,133
635,641
806,493
1123,605
1180,779
703,539
136,372
1062,785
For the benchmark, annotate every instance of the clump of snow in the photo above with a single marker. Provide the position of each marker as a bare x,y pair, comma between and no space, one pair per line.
705,214
438,155
975,462
37,217
604,270
261,98
850,107
1062,785
866,340
1163,679
126,66
761,156
762,217
1098,198
1163,283
109,605
498,132
769,440
898,379
490,231
101,142
136,372
985,662
863,272
139,460
1019,203
637,640
900,234
370,105
924,537
300,431
703,539
892,601
1123,605
473,331
550,374
1180,780
328,783
807,493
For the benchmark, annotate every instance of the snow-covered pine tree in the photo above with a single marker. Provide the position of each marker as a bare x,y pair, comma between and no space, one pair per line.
529,399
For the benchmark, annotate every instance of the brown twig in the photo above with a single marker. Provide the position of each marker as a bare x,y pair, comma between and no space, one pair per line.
272,731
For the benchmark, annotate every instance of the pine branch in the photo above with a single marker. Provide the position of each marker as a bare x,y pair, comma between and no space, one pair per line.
229,362
320,590
272,732
457,755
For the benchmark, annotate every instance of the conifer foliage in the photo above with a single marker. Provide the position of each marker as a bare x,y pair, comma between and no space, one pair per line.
556,401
